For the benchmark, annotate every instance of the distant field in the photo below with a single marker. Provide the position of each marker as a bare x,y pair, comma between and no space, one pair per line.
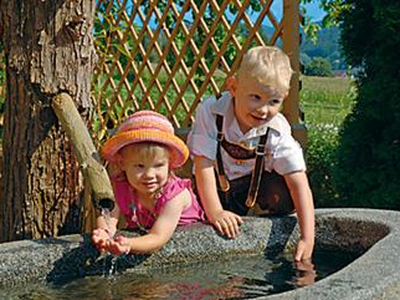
326,100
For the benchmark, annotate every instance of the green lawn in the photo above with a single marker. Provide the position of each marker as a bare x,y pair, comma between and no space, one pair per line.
326,100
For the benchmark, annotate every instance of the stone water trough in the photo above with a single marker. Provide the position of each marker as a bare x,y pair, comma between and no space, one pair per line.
374,275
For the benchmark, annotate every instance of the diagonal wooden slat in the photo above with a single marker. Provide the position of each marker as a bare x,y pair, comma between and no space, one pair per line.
143,63
157,53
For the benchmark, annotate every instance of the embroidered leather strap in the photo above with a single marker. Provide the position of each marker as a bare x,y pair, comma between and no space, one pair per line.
223,181
257,171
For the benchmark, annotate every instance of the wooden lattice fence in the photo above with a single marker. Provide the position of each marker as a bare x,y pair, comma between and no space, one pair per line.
168,55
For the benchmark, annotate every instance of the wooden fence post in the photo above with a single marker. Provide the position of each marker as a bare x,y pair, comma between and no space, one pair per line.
291,45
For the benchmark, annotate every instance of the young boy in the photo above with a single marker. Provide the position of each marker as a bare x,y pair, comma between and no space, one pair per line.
245,158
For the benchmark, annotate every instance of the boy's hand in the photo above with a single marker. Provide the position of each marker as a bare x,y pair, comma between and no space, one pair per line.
227,223
304,250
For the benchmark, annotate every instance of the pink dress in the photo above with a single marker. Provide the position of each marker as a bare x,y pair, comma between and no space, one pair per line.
137,216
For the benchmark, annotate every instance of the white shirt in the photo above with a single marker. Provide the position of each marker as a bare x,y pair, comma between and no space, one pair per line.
284,154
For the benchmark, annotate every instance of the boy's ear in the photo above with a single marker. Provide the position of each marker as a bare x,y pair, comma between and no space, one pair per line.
231,84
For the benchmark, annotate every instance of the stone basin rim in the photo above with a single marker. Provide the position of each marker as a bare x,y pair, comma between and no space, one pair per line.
374,275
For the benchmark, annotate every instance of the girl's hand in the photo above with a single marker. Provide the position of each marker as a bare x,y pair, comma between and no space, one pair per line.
119,245
100,236
227,223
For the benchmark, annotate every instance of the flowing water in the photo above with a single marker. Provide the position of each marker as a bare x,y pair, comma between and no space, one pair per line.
239,278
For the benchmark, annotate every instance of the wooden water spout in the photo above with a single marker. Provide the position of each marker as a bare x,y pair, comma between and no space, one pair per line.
87,156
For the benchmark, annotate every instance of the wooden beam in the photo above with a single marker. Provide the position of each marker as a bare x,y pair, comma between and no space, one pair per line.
291,46
87,156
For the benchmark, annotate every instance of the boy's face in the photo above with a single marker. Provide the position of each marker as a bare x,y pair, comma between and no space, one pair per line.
255,103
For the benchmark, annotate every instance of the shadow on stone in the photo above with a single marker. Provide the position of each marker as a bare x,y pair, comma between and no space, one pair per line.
282,230
374,234
86,260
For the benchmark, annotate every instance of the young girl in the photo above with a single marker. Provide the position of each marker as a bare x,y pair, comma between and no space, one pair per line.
143,152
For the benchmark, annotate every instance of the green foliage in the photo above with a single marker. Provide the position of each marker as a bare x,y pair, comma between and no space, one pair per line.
319,66
322,38
369,147
334,10
320,155
325,101
328,47
202,36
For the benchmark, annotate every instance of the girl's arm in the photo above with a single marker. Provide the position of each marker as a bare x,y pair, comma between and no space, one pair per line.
109,222
160,233
106,226
303,202
225,221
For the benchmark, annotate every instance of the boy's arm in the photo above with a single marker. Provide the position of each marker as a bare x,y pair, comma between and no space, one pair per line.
160,233
303,202
225,221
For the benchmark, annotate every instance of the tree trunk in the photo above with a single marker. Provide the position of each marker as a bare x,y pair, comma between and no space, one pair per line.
49,49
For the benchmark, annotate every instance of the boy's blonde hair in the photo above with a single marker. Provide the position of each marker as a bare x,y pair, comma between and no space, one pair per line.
269,66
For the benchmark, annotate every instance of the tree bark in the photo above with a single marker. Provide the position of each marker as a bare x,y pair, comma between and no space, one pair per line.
49,49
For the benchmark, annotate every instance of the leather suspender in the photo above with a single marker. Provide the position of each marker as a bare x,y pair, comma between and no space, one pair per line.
257,171
223,181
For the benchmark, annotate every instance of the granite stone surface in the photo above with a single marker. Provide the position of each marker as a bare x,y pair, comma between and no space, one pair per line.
374,275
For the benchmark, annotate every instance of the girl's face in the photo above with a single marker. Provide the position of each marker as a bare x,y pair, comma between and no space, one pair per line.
147,169
255,103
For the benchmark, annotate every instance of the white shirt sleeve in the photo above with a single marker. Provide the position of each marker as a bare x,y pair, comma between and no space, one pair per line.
288,156
202,139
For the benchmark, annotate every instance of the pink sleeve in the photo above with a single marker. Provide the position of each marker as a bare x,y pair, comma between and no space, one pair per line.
173,188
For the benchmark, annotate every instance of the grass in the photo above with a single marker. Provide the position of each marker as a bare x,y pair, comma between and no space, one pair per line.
128,99
326,100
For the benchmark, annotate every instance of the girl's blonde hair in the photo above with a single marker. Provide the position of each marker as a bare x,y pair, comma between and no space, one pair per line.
147,151
269,66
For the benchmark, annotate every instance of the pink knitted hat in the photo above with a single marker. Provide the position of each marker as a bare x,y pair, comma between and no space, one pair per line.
147,126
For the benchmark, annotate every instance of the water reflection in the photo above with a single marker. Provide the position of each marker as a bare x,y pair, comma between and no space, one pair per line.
236,278
305,273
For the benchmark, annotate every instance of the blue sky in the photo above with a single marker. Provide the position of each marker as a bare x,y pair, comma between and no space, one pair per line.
314,11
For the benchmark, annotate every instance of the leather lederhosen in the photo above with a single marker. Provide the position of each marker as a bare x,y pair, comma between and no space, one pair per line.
259,193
